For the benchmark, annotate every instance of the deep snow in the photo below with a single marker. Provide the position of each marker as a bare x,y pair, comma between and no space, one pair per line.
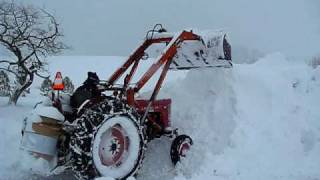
258,121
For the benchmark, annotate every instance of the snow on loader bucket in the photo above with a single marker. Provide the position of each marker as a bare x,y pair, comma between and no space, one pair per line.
106,133
211,49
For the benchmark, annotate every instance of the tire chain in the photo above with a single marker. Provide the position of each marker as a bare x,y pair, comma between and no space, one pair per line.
86,127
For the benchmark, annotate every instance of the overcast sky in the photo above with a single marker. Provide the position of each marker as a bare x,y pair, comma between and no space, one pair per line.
115,27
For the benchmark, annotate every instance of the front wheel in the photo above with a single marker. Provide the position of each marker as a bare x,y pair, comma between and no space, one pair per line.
179,147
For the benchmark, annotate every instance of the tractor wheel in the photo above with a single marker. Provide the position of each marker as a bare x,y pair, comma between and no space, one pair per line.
179,147
108,141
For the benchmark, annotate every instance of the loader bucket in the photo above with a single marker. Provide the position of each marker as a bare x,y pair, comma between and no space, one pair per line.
213,50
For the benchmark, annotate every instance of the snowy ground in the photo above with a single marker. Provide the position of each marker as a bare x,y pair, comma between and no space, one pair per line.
258,121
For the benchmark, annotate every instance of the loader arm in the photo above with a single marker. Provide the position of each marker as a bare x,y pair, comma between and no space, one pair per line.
165,59
137,55
139,52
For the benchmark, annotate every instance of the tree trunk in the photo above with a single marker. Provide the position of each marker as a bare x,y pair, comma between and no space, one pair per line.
18,91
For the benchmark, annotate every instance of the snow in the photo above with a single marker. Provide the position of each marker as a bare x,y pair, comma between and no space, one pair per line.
248,122
266,136
252,121
104,178
15,164
49,112
204,53
157,35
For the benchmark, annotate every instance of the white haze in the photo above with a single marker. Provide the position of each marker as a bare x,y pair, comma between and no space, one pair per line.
115,27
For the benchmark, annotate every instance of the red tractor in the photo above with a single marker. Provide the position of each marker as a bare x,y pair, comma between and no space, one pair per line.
107,135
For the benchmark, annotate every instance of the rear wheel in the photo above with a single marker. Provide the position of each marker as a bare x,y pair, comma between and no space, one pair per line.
108,141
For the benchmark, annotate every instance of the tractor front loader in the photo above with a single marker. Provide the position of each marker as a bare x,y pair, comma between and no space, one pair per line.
107,135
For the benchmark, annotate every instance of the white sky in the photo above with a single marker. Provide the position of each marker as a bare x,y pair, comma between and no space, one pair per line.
115,27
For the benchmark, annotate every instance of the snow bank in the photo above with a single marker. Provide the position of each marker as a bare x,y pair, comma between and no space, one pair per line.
278,129
258,121
203,107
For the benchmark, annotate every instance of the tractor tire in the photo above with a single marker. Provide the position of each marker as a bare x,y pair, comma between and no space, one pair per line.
180,145
107,141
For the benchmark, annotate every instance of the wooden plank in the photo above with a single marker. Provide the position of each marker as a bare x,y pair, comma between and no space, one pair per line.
47,129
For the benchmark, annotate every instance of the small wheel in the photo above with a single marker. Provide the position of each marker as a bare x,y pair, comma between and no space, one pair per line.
179,147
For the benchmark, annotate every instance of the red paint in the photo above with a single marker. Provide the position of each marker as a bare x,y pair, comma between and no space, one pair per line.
162,107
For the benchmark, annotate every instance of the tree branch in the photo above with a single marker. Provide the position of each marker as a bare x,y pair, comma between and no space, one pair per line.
7,61
8,70
42,76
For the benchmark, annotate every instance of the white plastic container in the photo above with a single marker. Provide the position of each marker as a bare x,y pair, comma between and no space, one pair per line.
41,142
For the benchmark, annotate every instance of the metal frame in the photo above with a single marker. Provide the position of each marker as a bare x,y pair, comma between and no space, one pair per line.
172,44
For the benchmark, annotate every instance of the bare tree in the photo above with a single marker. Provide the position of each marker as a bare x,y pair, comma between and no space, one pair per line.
29,35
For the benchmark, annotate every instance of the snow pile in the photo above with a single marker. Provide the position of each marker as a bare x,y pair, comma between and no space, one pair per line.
50,112
277,134
258,121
